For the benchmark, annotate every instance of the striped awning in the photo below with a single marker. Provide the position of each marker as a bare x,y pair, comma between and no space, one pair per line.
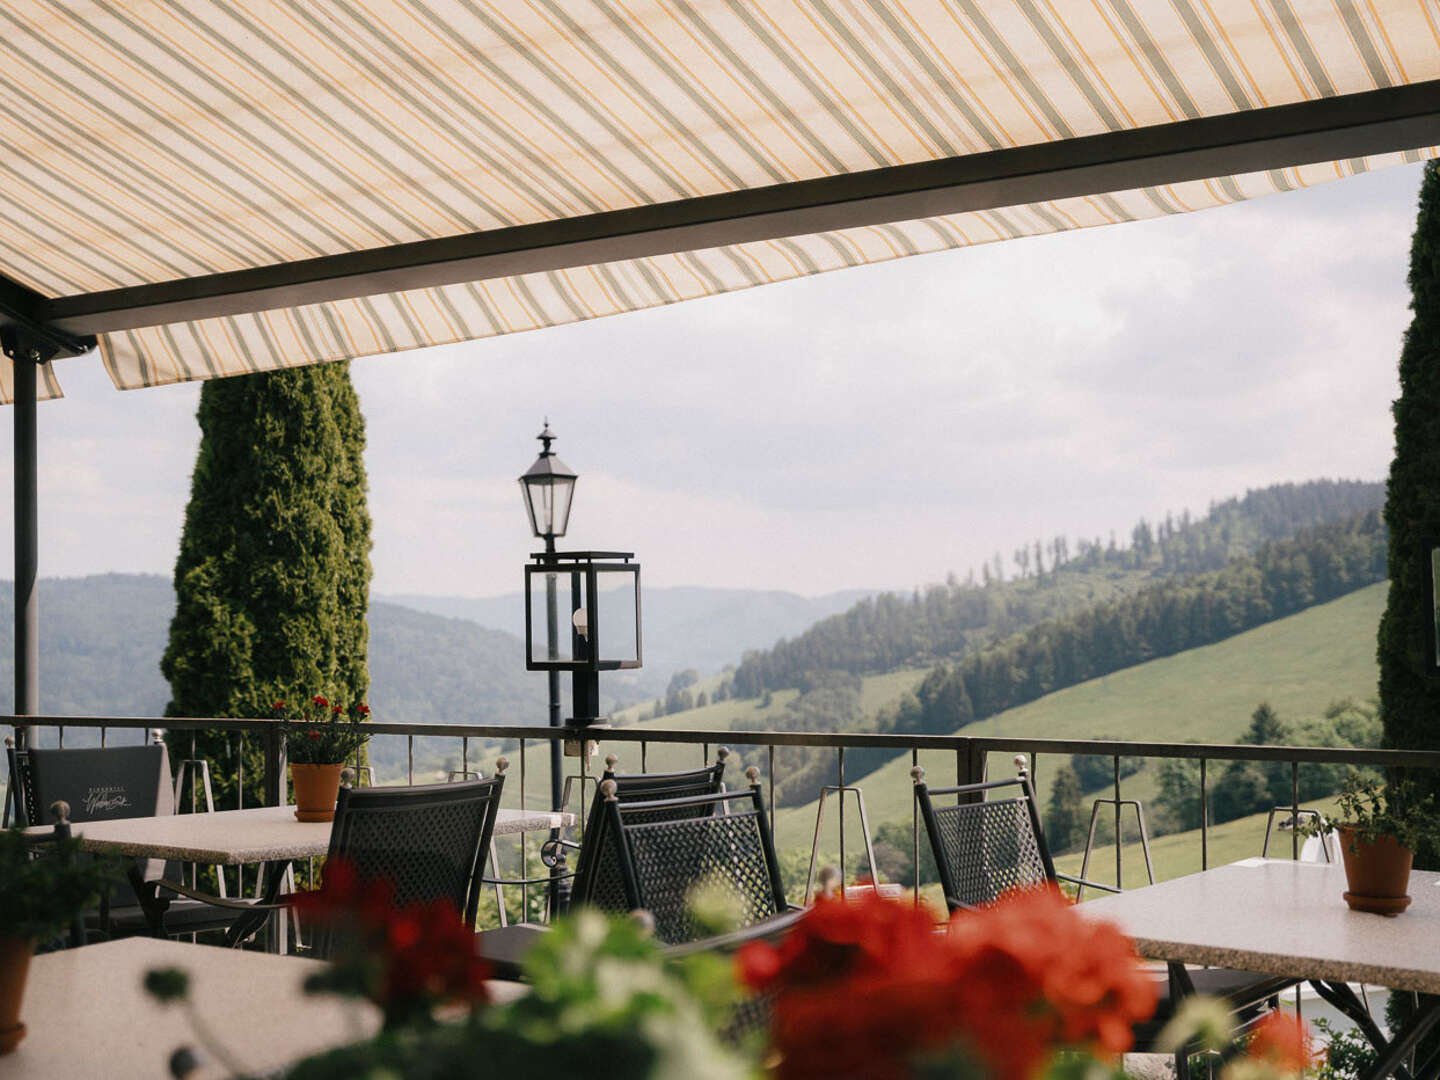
152,141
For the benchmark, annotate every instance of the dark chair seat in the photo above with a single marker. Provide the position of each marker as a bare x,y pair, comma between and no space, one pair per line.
506,947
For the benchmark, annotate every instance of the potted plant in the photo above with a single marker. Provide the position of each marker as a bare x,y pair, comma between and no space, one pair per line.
44,885
319,739
1379,827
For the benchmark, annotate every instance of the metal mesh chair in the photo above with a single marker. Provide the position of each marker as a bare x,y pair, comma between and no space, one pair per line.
668,848
106,784
428,840
596,877
986,846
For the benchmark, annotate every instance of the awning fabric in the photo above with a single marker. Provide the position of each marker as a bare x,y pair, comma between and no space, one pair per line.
144,141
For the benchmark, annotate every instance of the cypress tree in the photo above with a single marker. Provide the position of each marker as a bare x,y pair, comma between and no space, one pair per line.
1409,696
273,577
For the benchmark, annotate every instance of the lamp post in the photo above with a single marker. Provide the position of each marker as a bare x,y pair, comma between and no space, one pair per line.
549,486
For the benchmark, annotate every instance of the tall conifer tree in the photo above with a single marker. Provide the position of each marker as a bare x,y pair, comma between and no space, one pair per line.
1409,696
273,577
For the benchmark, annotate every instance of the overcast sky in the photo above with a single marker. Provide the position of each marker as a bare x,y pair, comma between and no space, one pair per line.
875,427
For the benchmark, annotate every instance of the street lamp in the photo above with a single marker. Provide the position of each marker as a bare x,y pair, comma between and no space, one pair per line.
549,487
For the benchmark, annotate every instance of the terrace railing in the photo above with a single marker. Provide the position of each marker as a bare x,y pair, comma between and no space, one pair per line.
646,748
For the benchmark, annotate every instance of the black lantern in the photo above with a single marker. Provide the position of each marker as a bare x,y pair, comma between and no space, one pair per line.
593,599
548,486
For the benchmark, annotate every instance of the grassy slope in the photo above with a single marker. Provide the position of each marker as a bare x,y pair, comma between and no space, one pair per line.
1299,664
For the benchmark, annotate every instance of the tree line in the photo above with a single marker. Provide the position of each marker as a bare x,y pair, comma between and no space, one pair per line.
1319,565
1050,579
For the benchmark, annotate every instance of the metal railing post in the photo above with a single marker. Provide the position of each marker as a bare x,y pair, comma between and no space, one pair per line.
274,748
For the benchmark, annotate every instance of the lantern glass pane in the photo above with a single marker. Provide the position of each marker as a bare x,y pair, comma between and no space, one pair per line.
618,637
554,598
562,491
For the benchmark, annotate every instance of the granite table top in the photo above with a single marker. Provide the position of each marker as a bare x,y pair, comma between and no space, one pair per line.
1282,918
259,834
87,1015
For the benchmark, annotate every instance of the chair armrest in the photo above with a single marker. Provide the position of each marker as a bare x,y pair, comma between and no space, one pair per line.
546,880
550,853
1088,884
219,901
728,942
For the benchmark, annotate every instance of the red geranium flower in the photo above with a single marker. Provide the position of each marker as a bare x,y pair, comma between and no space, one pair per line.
1281,1041
408,957
868,987
319,702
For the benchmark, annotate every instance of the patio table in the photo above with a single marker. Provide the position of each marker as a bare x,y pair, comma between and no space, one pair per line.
261,834
87,1015
269,835
1288,918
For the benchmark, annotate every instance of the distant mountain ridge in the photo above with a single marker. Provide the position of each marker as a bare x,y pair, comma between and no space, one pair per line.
101,639
684,626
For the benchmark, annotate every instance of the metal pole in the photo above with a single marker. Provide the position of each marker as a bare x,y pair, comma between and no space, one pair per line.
552,632
27,546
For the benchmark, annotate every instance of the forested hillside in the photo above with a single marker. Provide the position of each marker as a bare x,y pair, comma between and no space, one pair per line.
1164,618
101,638
1048,579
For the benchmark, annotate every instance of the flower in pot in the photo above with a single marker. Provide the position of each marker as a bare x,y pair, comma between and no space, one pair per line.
44,885
320,737
1380,827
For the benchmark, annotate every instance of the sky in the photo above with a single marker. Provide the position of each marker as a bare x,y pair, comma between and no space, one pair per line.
877,427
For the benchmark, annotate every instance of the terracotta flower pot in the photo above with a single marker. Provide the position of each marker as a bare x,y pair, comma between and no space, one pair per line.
1377,872
316,789
14,966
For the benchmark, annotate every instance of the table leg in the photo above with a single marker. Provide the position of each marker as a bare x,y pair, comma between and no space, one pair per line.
250,921
152,905
1392,1057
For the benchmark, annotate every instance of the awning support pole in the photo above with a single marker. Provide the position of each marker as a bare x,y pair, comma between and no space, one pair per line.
27,608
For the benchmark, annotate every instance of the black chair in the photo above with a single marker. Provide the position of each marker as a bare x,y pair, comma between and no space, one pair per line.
668,848
989,841
107,784
429,841
596,876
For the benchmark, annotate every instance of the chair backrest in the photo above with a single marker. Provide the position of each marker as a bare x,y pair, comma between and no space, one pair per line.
100,784
597,873
429,840
668,848
987,842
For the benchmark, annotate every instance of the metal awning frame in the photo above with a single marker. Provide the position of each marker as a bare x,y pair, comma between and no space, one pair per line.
35,329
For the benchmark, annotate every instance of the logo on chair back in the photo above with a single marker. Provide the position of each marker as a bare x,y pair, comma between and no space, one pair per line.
102,799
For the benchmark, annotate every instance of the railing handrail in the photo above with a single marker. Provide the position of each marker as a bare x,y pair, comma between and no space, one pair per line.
975,744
